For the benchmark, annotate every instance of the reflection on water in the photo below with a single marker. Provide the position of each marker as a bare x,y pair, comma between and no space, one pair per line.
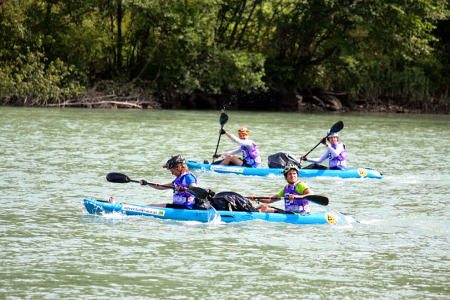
51,248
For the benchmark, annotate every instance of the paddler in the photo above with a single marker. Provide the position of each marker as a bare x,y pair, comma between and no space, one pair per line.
293,194
250,153
336,153
184,180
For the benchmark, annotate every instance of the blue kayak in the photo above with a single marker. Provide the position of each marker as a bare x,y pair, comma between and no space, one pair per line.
101,207
347,173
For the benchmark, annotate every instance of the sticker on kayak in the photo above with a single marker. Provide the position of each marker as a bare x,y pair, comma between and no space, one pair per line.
228,169
331,218
362,172
150,211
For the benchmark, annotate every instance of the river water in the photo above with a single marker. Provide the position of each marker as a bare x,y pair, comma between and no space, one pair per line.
52,249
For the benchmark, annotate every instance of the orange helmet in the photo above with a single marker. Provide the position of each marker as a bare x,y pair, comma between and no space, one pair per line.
244,130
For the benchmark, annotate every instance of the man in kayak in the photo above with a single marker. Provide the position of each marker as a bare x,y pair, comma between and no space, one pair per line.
336,153
250,152
184,180
293,194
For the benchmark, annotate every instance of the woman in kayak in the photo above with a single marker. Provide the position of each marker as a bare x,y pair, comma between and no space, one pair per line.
250,152
184,180
293,194
336,153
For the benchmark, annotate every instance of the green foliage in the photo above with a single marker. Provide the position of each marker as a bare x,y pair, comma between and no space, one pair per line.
187,58
28,78
232,70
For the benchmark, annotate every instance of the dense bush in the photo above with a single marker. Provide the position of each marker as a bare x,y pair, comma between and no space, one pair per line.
31,81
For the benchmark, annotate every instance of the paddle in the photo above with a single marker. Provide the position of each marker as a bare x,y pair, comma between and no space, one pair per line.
223,120
320,200
122,178
335,128
199,192
203,194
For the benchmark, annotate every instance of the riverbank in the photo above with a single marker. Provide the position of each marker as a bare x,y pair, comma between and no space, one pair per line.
314,101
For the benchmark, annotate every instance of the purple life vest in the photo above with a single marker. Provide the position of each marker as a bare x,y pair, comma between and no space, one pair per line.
296,205
340,160
251,157
182,197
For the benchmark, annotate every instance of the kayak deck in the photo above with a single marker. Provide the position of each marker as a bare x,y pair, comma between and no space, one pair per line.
347,173
100,207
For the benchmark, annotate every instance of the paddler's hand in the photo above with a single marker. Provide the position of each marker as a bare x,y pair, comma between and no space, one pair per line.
303,158
324,140
291,197
222,131
253,198
143,182
217,156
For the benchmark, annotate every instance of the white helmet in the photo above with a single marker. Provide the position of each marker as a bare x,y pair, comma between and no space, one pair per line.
332,134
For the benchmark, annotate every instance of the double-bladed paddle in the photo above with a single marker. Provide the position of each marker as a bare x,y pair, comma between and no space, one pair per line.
320,200
122,178
223,120
199,192
203,194
335,128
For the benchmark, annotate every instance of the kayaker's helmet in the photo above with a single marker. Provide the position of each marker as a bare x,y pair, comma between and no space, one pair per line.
243,130
332,134
174,161
289,167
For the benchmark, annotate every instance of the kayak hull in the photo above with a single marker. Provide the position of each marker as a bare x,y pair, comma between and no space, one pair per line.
99,207
347,173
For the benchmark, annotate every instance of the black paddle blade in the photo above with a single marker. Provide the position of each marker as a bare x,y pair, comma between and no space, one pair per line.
321,200
223,119
337,127
118,178
198,192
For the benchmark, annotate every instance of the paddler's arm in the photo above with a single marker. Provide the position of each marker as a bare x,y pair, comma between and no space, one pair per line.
317,161
232,137
157,186
246,143
264,199
306,192
182,188
225,154
188,180
336,152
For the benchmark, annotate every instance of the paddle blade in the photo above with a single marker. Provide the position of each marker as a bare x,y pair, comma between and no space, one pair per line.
321,200
199,192
223,119
118,178
337,127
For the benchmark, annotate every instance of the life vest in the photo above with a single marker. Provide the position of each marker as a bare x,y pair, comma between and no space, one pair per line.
182,197
340,160
296,205
251,157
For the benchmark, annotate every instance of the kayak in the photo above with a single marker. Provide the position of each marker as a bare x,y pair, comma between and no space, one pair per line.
347,173
101,207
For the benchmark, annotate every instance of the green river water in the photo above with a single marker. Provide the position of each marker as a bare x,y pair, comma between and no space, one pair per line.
50,248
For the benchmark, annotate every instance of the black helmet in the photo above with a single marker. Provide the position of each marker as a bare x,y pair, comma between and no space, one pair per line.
175,161
289,167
